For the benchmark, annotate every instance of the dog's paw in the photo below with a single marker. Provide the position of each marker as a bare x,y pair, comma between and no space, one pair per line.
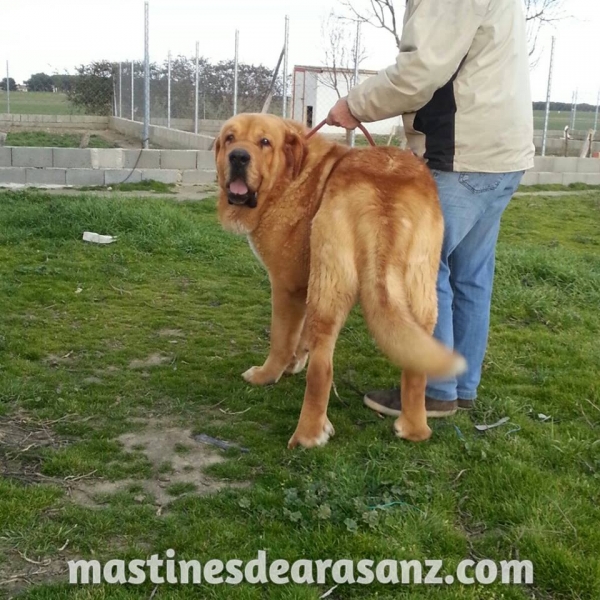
306,437
410,432
258,376
297,365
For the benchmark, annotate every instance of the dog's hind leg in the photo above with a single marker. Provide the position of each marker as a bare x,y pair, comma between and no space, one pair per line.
400,308
332,292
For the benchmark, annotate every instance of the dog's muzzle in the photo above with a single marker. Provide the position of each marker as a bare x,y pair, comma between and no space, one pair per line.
238,192
241,199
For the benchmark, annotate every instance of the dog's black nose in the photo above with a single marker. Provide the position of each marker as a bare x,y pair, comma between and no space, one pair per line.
239,157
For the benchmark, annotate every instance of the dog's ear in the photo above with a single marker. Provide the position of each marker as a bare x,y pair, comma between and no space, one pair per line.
295,151
217,146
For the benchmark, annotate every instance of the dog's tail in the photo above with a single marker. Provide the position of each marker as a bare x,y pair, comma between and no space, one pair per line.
401,338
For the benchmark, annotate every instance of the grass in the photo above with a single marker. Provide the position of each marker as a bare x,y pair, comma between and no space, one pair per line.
76,315
37,103
558,187
380,140
148,185
54,140
560,119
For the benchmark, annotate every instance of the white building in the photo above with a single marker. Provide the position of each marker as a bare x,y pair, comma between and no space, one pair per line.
315,90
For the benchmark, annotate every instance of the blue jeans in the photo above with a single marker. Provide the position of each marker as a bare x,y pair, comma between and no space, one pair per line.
472,204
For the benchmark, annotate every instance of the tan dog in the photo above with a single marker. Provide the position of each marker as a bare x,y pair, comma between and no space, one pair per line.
333,225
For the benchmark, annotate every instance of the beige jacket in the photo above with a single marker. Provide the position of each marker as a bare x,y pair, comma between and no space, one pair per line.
461,81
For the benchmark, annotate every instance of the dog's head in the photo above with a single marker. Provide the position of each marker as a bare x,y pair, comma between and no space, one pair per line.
257,155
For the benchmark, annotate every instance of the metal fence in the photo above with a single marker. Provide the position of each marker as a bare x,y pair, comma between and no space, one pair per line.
183,91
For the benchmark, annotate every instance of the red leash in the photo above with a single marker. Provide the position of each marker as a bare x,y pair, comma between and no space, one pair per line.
360,126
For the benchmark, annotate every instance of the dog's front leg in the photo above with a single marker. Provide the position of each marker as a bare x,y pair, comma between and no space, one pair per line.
287,319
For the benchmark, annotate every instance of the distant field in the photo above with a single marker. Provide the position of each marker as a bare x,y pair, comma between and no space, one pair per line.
37,103
560,119
47,103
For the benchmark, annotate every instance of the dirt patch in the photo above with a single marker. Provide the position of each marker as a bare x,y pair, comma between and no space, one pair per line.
19,571
177,460
172,333
55,360
178,464
154,360
21,441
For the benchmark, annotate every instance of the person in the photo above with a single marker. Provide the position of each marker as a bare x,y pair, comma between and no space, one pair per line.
461,82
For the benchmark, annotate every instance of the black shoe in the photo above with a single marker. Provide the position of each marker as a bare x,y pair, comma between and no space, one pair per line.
387,402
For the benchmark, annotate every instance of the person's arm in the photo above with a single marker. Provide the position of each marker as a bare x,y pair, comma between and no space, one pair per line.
436,38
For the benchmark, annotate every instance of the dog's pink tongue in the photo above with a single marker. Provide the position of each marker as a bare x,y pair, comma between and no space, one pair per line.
238,187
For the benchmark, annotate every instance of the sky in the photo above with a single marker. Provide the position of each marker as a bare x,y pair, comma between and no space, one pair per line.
56,35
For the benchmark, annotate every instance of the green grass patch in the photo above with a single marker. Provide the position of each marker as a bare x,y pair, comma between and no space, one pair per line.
148,185
559,119
557,187
76,316
38,103
54,140
380,140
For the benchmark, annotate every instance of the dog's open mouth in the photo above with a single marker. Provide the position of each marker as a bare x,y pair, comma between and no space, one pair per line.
239,194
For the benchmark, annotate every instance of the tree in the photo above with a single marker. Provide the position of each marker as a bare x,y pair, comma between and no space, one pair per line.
12,85
92,88
40,82
215,88
539,14
387,15
339,45
383,14
63,82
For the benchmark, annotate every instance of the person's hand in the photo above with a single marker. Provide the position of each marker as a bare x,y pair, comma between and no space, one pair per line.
340,115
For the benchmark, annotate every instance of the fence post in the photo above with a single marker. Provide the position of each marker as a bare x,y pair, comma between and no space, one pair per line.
120,90
169,91
286,43
548,94
574,110
132,91
355,79
196,108
115,101
7,89
146,75
235,71
596,115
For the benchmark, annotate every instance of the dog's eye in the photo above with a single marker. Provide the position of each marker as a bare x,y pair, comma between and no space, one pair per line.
229,138
265,142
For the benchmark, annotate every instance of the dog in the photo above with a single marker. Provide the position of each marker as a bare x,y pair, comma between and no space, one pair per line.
332,226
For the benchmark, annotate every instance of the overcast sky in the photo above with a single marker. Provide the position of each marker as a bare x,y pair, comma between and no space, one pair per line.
56,35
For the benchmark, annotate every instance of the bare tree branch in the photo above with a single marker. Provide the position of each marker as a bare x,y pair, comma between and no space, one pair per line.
385,14
538,15
339,50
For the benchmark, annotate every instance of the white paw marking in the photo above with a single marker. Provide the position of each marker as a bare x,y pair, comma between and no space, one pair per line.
321,440
249,374
299,366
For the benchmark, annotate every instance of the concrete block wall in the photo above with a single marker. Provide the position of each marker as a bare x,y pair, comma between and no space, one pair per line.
103,166
162,136
210,127
12,121
556,146
563,170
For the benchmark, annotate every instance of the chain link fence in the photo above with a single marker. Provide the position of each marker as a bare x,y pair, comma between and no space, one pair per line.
188,91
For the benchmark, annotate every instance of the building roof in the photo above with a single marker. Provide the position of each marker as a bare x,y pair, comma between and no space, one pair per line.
326,69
